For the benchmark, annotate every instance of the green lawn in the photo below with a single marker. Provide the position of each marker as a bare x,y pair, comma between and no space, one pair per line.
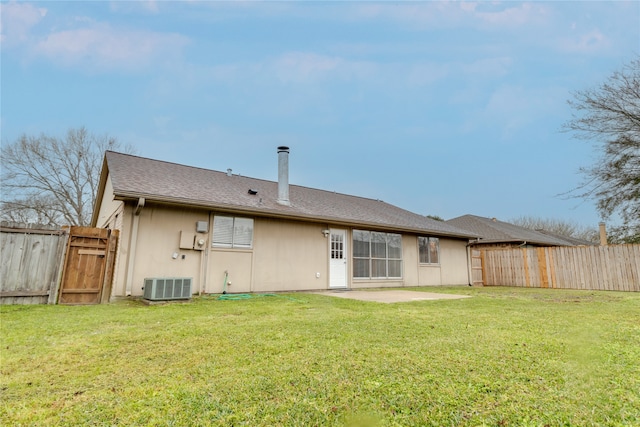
506,357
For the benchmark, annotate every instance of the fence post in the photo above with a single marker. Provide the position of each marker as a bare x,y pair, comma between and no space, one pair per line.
62,249
542,267
483,266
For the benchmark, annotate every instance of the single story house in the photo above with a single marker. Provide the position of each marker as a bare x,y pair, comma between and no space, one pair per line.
498,234
226,231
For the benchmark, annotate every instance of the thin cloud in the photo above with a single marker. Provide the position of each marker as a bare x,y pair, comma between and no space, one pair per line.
302,67
588,42
514,17
17,20
431,15
489,67
146,6
512,108
85,43
102,46
424,74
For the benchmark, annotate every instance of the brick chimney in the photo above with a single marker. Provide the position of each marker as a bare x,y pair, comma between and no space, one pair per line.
603,234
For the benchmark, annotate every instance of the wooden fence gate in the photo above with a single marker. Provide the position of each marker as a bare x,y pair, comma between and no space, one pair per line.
477,276
88,267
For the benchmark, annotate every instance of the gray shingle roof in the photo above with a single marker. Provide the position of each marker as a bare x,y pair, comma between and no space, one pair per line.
492,230
133,177
571,240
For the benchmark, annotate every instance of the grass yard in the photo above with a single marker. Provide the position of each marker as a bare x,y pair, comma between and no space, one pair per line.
506,357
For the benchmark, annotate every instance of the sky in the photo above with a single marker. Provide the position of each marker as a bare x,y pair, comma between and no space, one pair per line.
441,108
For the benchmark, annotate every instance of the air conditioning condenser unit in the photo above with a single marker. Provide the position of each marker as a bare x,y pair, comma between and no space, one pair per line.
167,288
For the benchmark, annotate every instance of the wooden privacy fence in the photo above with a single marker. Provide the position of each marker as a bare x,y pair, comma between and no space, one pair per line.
606,268
31,260
40,265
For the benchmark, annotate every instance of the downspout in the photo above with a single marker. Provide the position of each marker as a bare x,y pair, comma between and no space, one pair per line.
204,268
470,261
469,271
133,243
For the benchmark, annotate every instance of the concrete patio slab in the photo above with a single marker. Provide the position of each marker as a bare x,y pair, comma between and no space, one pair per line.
390,296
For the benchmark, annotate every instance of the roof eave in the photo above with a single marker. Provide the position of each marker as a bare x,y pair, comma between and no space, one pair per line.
521,241
263,212
104,173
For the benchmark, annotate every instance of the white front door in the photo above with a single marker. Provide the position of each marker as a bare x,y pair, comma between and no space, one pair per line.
338,258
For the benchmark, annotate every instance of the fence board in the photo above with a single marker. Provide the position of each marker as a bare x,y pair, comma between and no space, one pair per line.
90,254
30,259
612,268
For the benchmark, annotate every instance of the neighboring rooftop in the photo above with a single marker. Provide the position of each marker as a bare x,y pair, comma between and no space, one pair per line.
492,230
135,177
573,240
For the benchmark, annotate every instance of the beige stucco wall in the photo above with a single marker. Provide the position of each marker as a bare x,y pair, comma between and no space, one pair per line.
430,275
158,241
411,272
115,215
122,257
238,266
286,256
110,210
453,262
290,255
452,269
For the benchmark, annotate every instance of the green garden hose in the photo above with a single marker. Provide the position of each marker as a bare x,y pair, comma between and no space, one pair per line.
235,297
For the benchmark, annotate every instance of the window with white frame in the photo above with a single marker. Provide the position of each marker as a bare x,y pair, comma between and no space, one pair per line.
232,232
429,248
377,255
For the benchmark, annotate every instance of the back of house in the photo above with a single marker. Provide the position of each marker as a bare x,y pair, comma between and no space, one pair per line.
220,231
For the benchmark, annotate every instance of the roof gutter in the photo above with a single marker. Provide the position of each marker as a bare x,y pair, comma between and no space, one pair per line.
293,216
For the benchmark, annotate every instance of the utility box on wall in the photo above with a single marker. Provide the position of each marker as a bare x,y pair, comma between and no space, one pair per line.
186,239
199,242
202,227
190,240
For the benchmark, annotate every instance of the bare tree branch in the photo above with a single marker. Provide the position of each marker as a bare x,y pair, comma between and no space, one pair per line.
558,226
51,180
610,116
